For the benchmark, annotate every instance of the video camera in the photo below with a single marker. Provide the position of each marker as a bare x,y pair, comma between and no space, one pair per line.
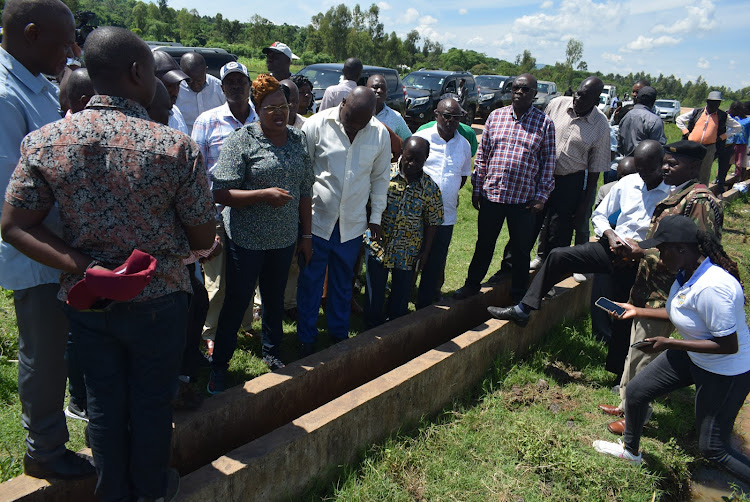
83,28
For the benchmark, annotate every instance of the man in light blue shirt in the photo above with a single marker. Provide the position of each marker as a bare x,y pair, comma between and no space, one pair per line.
389,117
38,37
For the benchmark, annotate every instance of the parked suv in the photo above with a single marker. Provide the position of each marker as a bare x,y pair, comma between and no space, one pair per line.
423,91
546,92
667,109
215,58
490,93
324,75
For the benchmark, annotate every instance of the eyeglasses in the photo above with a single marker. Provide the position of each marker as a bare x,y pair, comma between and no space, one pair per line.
449,116
271,109
523,88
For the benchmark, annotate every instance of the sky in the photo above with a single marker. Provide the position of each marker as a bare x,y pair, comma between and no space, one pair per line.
685,38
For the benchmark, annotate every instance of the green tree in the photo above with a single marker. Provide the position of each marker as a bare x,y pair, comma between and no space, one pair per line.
525,62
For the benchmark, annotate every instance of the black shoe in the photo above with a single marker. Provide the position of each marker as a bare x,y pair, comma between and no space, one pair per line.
306,349
69,465
509,314
465,292
499,276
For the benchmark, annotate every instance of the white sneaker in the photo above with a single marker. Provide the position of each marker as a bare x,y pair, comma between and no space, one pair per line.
536,263
579,277
617,450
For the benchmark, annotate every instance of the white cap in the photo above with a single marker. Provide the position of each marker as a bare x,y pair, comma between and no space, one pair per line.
233,67
281,48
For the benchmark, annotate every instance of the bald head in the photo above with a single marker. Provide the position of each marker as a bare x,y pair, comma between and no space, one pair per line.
79,90
648,160
587,95
194,66
625,167
352,69
417,144
357,109
414,155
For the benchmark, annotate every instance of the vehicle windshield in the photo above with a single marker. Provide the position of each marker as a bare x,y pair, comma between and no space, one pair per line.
423,81
491,82
666,104
322,79
602,99
542,88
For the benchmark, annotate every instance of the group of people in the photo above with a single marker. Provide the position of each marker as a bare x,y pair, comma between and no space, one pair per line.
146,199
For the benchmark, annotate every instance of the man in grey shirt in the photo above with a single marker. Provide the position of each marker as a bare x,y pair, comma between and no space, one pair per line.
641,123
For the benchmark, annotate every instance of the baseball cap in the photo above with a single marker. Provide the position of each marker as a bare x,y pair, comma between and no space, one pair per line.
673,228
281,48
167,69
685,148
233,67
121,284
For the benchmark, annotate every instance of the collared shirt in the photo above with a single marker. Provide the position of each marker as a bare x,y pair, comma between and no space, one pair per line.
581,143
249,161
299,121
192,103
653,280
177,121
212,128
347,174
412,207
636,204
122,182
447,163
464,130
27,102
336,93
516,157
711,304
394,121
639,124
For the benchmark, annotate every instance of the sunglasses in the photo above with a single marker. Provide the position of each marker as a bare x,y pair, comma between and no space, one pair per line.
523,88
270,109
449,116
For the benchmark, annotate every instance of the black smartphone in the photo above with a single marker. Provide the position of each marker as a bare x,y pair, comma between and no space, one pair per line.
641,344
609,306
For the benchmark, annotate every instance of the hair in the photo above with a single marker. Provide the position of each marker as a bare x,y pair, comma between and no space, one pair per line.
17,14
263,86
709,246
111,51
737,109
643,83
352,69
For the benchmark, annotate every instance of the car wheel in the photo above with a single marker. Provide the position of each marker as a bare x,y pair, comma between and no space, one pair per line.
469,118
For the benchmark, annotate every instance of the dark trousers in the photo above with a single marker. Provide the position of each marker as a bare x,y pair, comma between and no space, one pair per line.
557,216
398,299
244,267
42,335
76,383
582,228
718,399
131,355
726,154
192,355
489,223
433,270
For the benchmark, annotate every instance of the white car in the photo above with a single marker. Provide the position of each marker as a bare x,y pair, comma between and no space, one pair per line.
605,104
667,109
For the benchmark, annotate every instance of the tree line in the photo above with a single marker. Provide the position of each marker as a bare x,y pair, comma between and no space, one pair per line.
341,32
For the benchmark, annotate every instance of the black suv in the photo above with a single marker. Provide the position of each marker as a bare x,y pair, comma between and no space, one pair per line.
324,75
215,58
423,91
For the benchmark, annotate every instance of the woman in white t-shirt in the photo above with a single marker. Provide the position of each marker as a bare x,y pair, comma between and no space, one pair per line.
706,305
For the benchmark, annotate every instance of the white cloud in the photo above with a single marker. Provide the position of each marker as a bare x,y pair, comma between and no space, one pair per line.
641,7
409,16
384,6
703,63
428,20
572,16
475,41
546,5
732,63
615,58
463,12
699,17
647,43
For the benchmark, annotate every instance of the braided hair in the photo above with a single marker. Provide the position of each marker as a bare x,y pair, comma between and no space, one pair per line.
299,81
710,246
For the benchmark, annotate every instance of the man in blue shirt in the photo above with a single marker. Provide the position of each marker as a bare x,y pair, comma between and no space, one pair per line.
38,37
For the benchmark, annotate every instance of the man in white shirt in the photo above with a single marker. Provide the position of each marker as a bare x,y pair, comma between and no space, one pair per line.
636,197
351,159
352,71
449,165
171,76
201,92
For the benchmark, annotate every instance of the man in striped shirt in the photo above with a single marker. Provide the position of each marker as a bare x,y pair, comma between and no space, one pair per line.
513,177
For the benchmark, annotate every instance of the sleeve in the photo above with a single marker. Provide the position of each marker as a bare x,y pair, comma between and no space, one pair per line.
733,127
308,177
229,170
682,121
715,305
28,189
657,131
434,207
200,135
609,205
465,167
402,129
483,152
13,128
547,158
380,178
599,160
327,101
310,134
706,214
193,200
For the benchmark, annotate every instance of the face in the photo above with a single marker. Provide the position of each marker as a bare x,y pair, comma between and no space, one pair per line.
712,106
354,119
274,112
523,92
650,172
677,169
173,90
412,160
634,90
277,63
236,87
197,78
672,256
293,102
54,43
378,84
448,116
305,98
585,98
160,106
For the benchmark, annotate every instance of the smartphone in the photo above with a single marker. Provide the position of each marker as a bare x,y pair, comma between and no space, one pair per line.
641,344
626,244
609,306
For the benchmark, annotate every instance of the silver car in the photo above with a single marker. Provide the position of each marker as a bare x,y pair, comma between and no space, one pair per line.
668,109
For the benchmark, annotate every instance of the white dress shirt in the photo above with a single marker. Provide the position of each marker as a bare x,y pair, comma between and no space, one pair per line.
177,121
347,174
447,164
192,103
334,94
636,204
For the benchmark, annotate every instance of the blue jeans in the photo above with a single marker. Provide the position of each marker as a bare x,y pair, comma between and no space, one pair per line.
270,269
398,300
340,258
433,270
130,355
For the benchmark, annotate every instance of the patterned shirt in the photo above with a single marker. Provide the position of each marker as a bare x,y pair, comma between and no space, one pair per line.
213,127
411,208
394,121
516,157
122,182
581,143
249,161
653,280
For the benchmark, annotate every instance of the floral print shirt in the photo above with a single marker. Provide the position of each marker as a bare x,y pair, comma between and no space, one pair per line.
249,161
121,182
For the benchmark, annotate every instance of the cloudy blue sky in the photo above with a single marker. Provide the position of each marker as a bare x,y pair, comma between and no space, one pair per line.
686,38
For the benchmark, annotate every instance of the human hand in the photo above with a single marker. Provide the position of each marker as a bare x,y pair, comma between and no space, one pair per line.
375,234
475,201
535,206
631,311
659,344
276,197
304,247
216,252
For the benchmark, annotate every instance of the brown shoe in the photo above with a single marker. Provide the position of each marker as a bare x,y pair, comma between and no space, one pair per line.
611,410
617,427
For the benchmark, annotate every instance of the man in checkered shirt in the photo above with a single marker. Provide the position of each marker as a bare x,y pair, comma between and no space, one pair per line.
513,177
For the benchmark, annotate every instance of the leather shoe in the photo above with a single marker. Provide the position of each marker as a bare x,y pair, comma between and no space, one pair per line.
617,427
465,292
508,314
611,410
69,465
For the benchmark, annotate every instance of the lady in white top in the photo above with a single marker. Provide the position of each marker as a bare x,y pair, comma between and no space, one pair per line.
706,305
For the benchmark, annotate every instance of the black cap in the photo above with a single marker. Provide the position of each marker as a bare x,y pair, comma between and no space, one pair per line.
647,91
685,148
167,69
672,228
